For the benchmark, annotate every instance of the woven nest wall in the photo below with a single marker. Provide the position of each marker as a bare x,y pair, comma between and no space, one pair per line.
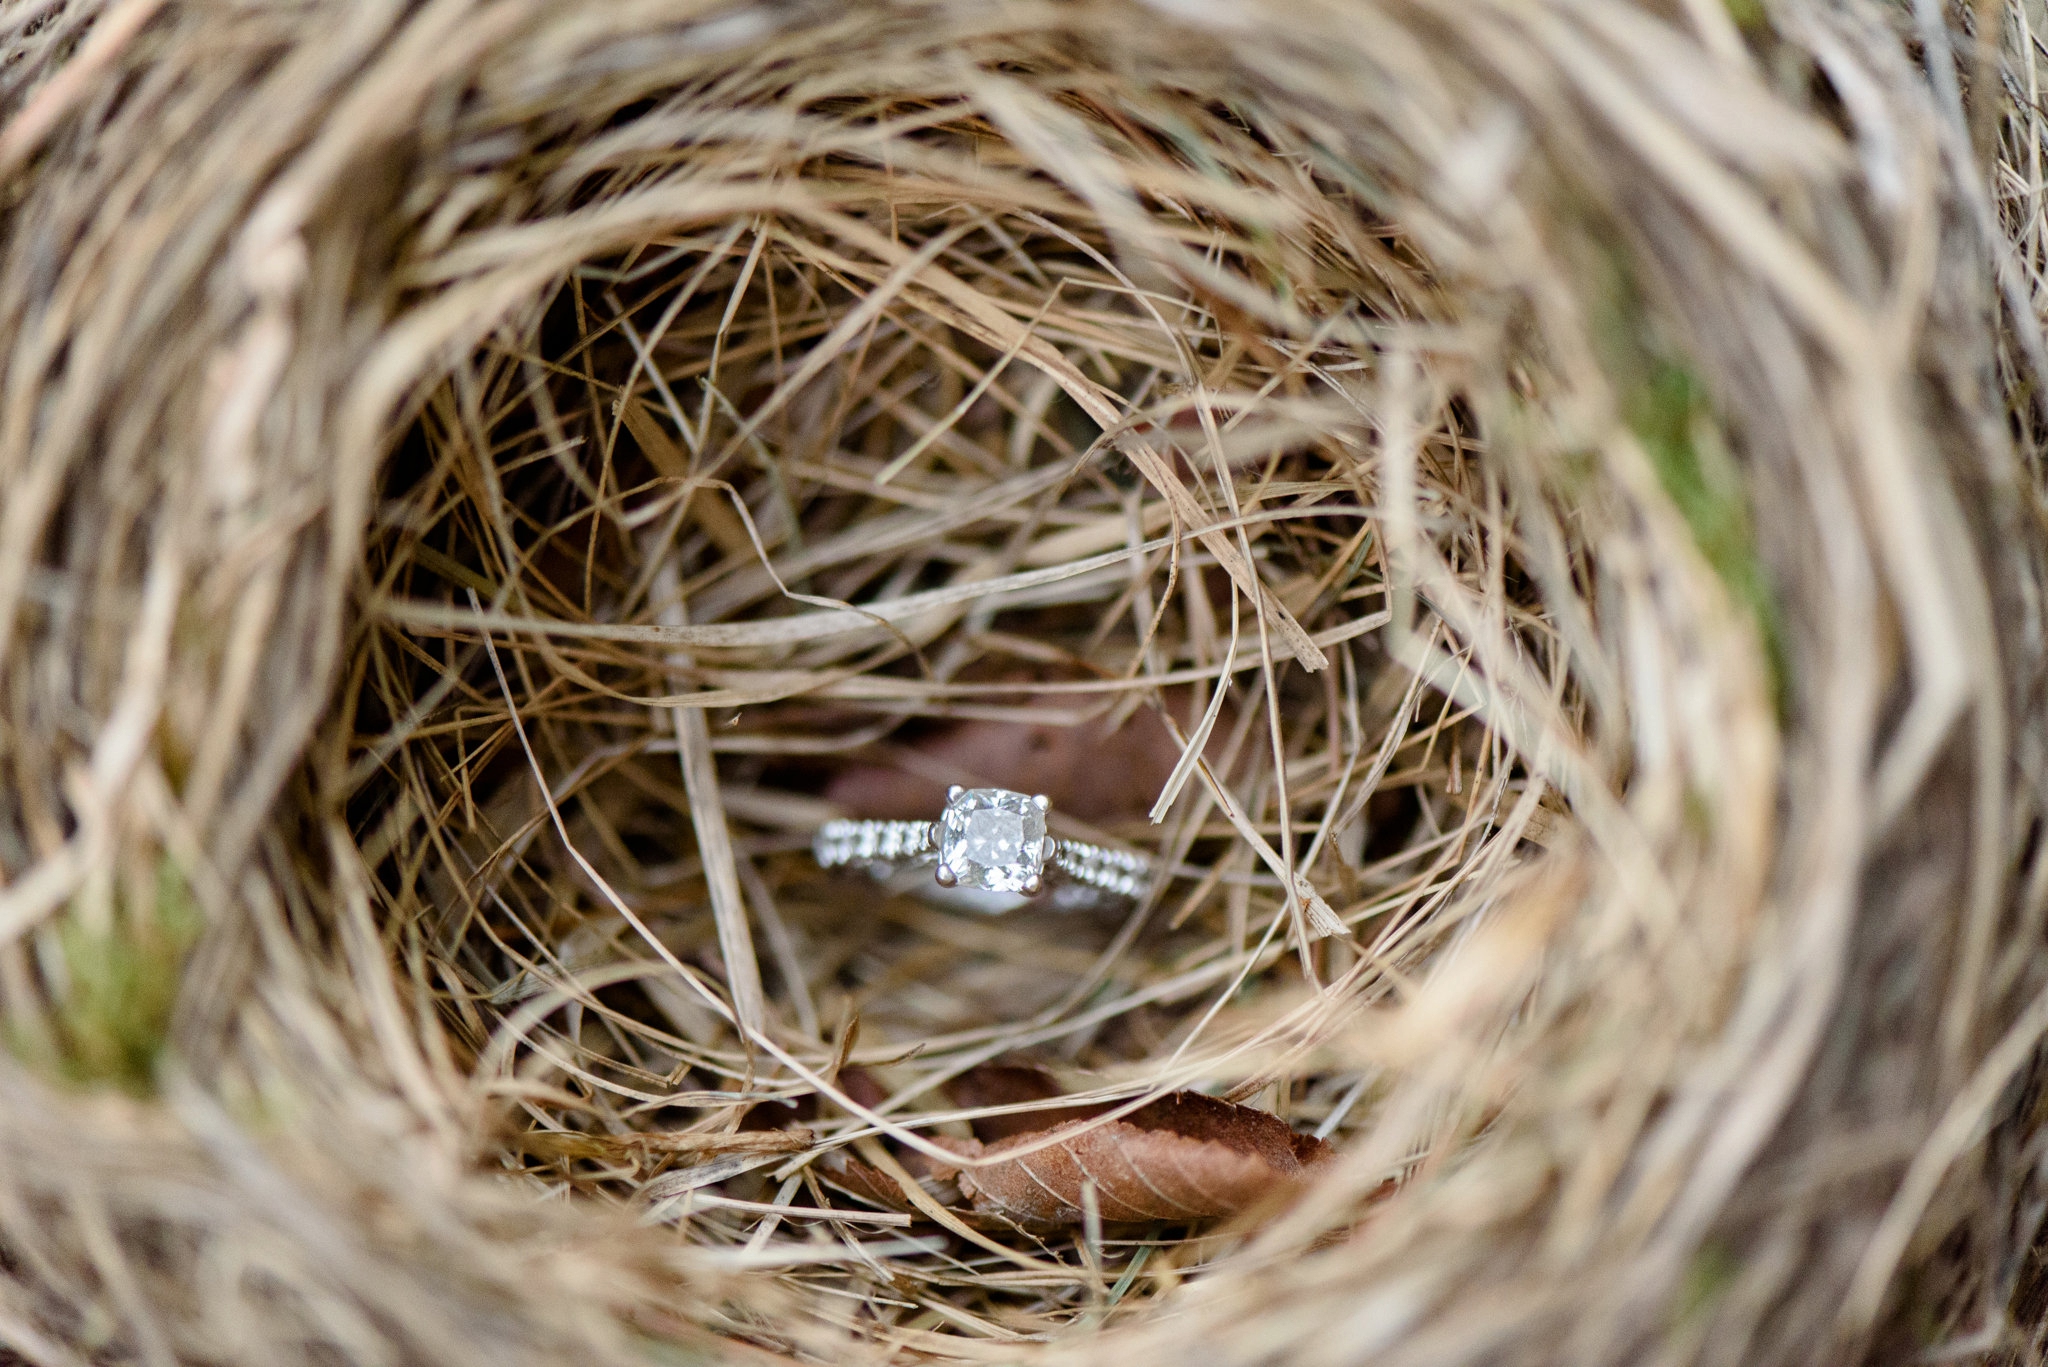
1528,512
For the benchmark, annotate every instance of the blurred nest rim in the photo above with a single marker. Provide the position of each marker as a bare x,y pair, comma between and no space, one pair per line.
1648,289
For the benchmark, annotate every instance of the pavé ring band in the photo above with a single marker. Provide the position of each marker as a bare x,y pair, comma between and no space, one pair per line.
989,841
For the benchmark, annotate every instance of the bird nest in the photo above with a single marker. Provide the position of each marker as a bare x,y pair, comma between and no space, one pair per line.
1525,516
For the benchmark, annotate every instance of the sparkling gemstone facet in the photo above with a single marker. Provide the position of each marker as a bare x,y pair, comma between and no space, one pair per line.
993,838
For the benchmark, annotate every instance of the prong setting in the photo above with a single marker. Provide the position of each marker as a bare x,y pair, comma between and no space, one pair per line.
994,839
953,793
1033,885
944,876
1042,802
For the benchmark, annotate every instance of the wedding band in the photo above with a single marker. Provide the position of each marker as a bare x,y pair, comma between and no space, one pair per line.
988,851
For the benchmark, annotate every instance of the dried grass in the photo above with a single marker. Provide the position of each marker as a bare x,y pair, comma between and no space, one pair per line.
1530,510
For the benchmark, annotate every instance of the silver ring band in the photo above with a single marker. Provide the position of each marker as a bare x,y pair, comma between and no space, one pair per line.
1073,873
839,843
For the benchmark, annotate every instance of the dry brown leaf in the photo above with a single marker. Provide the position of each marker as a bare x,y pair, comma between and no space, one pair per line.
1183,1157
863,1181
846,1171
843,1169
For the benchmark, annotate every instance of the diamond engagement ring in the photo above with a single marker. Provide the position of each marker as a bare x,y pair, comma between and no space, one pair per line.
990,852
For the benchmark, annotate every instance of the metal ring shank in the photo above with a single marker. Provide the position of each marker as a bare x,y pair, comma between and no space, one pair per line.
1075,870
892,843
1118,872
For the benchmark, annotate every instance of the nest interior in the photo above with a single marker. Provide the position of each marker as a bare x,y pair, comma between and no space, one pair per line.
1039,451
1527,541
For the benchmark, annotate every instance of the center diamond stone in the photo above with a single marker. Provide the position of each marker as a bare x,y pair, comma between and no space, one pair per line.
993,838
